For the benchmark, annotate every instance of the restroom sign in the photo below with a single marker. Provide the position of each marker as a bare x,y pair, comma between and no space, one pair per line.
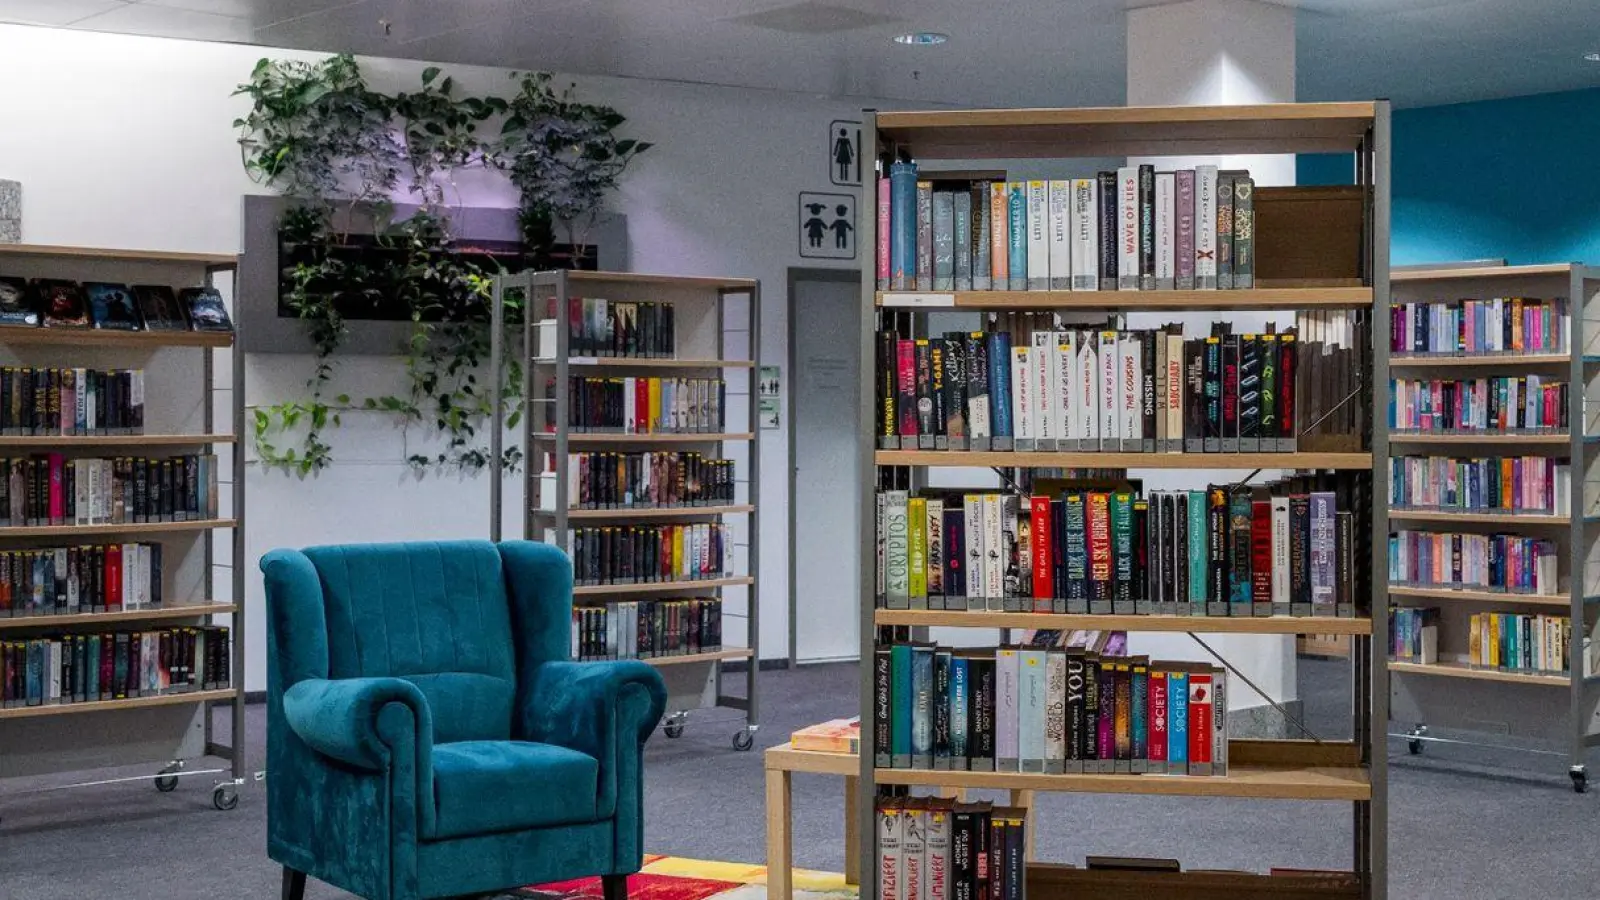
844,153
827,225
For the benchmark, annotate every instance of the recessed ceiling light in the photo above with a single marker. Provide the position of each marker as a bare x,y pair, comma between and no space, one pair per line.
1592,56
922,38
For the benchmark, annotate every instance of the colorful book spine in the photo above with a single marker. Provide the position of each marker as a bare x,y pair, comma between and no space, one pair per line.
903,226
1017,233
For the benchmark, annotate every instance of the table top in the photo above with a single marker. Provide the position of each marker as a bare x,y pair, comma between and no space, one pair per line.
787,759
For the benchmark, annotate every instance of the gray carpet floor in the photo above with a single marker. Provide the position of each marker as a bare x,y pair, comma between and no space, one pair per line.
1463,824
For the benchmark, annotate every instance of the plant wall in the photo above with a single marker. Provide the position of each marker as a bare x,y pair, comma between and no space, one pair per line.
340,151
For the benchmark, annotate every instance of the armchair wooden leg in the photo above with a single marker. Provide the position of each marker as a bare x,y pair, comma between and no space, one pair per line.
294,884
614,887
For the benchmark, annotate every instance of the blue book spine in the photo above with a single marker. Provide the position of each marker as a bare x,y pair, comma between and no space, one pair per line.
1017,253
922,707
902,225
1198,552
1140,725
1000,383
900,719
1177,721
35,682
959,690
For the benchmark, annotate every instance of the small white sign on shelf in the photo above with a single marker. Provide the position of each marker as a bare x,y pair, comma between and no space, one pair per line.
904,298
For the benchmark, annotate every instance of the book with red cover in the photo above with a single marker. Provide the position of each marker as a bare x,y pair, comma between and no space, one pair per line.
113,577
1097,518
1286,399
906,368
58,499
1043,560
1201,727
1261,556
641,405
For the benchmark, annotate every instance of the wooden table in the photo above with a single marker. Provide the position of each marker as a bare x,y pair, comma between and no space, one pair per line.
783,760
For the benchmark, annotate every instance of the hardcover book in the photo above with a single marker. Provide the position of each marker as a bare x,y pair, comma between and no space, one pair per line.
17,306
159,307
205,308
63,304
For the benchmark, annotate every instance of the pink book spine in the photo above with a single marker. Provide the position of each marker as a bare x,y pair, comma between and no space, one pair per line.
58,501
1185,217
883,234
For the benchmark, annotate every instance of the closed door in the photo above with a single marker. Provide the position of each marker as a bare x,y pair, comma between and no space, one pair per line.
824,323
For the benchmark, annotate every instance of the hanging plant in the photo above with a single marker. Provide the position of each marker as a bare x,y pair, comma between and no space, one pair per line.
439,132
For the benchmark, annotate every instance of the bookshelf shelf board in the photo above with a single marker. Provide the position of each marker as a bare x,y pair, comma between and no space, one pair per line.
176,611
1485,518
624,362
660,587
1456,670
1146,623
64,709
1562,601
660,438
1129,131
1333,297
69,531
205,259
685,281
1108,460
1480,360
713,656
53,441
1253,782
1519,440
18,335
1397,275
660,512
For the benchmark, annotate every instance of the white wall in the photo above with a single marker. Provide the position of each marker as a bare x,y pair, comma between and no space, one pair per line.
126,141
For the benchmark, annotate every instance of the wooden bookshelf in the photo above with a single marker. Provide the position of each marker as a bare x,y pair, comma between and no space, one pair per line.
1150,623
1477,518
219,260
96,706
661,587
68,441
1510,440
654,513
1331,297
1110,460
711,656
1458,670
175,611
77,531
1479,360
1473,273
588,437
22,336
1561,600
585,276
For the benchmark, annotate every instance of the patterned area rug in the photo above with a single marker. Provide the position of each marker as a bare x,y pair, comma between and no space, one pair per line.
671,878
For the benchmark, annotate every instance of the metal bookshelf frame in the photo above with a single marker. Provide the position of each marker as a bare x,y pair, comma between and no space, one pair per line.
1581,285
1282,769
536,288
205,268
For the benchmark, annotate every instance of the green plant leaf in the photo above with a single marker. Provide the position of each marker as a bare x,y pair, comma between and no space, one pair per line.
429,74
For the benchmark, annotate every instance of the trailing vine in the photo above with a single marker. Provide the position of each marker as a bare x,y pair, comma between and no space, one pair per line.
319,135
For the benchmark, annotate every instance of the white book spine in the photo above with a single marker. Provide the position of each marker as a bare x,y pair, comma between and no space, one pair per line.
1060,202
628,411
1128,228
1038,236
993,543
1067,373
1085,234
1166,230
972,524
1022,387
1174,410
1280,550
1088,388
1046,398
1110,393
1205,227
1130,368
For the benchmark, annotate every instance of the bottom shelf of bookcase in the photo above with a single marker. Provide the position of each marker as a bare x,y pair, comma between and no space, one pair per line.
1054,882
92,706
1458,670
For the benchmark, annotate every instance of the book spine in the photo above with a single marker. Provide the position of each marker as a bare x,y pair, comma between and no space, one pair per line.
922,706
1205,234
1022,397
1108,227
925,251
1038,212
981,226
941,708
1323,551
960,701
1059,200
1128,228
1230,394
934,550
1244,221
1122,548
937,862
1049,419
1213,395
1183,218
999,235
1225,200
1055,711
1043,552
1145,345
1007,710
1017,233
1084,220
1240,536
944,240
1280,554
962,219
972,527
897,550
1031,712
885,232
1166,239
1249,394
917,552
890,867
1201,723
1147,228
997,551
1160,734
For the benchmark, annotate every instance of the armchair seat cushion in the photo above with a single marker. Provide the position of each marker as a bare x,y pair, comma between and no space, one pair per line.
483,787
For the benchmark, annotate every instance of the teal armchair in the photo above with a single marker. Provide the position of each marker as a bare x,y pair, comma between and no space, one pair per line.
427,735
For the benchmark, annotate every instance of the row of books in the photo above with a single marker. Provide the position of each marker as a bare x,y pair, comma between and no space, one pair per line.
1512,642
646,629
65,581
648,480
1414,634
40,401
56,303
1500,325
51,489
615,328
646,405
1506,403
1494,562
1284,549
78,668
1130,229
1046,709
641,554
1540,484
932,848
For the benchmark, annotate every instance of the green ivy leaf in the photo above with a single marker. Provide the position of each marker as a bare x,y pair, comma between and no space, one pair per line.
429,74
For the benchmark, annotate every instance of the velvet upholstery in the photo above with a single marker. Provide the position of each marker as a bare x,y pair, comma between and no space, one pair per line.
427,735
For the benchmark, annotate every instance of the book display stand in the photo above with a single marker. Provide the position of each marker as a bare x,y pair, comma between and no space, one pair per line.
135,721
643,464
1460,686
1322,258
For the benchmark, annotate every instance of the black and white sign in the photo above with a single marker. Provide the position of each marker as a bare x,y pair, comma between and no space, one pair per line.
827,226
844,153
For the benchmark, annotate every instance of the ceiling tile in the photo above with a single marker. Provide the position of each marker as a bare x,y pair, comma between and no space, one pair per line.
53,12
165,21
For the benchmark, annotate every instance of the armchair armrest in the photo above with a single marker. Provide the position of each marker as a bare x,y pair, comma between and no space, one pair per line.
598,708
361,721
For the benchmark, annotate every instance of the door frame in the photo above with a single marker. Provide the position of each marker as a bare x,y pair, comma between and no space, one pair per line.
798,274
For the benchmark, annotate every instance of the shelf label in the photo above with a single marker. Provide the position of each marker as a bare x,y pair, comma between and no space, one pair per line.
903,298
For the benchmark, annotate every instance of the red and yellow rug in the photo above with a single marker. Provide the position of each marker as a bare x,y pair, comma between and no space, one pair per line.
671,878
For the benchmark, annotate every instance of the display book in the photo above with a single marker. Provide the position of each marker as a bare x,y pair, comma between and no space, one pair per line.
1285,548
647,629
59,303
113,665
1131,229
1028,382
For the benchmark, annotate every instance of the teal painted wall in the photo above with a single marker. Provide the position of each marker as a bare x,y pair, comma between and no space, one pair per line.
1516,178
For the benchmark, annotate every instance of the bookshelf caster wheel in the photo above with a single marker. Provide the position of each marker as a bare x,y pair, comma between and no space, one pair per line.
743,740
1415,746
674,726
166,780
1415,743
224,797
1580,779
